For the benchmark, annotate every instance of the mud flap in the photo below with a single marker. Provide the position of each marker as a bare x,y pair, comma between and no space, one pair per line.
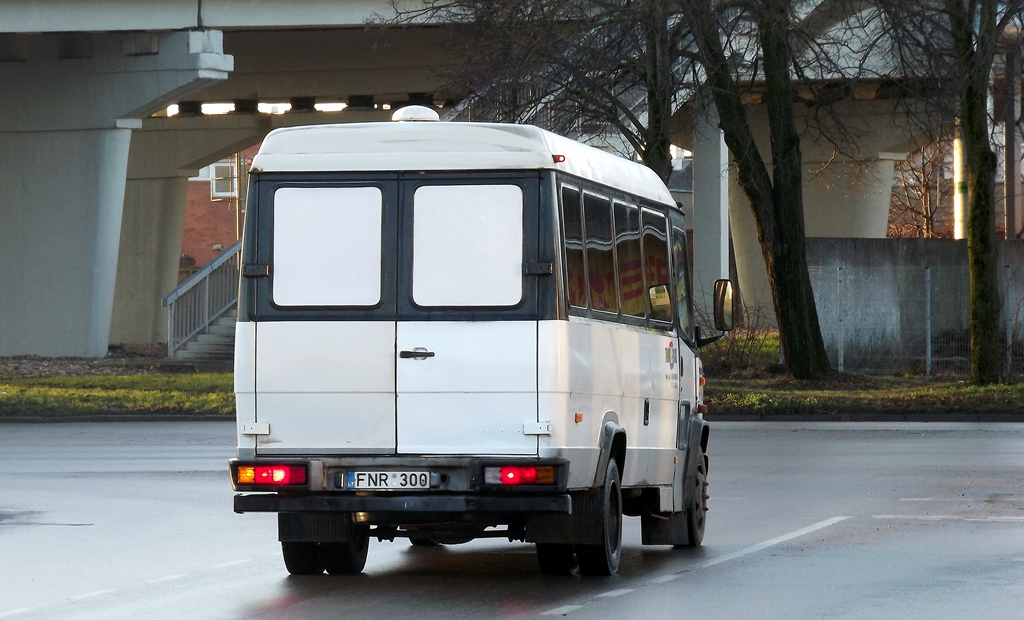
314,527
582,527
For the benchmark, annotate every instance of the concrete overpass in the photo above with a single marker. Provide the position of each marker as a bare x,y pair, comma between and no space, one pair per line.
93,179
92,185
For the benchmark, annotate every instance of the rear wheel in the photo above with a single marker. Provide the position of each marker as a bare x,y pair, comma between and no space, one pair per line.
603,559
302,558
557,559
347,558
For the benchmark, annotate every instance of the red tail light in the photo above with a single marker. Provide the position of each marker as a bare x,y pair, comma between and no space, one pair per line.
518,475
278,475
511,475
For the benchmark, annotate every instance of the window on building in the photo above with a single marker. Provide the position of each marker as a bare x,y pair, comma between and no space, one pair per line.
223,181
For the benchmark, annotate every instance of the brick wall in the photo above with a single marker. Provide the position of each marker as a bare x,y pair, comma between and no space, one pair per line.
208,223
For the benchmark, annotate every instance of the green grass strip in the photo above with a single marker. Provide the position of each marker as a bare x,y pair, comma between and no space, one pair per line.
152,394
860,394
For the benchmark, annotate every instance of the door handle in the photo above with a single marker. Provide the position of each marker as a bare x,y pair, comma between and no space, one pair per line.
418,354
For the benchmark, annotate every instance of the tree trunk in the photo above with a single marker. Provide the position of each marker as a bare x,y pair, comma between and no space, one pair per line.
660,89
777,206
975,56
986,362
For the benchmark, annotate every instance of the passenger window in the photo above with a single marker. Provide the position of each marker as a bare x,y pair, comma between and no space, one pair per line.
467,245
656,269
630,261
327,246
681,261
572,227
600,255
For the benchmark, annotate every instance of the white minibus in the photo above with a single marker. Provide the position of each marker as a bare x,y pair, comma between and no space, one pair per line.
449,331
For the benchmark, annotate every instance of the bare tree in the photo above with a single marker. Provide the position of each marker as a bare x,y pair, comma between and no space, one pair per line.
629,63
584,65
776,197
922,194
956,42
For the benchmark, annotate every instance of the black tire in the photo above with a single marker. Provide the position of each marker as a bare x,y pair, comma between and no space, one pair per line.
302,558
421,542
603,559
697,510
347,558
557,559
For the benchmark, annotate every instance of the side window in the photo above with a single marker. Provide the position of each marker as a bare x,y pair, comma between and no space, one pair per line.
327,246
467,245
656,265
681,262
600,253
630,261
572,228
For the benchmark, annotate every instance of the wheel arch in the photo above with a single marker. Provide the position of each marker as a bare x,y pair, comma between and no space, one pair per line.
613,446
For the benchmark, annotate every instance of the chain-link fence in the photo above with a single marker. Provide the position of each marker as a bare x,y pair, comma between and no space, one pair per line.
910,319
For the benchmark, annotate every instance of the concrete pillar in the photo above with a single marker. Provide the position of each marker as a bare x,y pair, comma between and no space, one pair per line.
848,199
710,210
750,266
843,199
960,191
147,267
67,108
60,205
164,154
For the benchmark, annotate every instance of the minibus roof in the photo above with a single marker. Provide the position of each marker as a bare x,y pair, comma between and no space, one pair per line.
442,146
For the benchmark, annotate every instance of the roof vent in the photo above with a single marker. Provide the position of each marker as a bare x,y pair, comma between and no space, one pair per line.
415,113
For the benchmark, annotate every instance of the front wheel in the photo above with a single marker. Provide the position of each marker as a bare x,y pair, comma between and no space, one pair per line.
603,559
697,509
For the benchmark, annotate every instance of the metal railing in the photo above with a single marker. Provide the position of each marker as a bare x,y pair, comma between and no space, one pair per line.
202,298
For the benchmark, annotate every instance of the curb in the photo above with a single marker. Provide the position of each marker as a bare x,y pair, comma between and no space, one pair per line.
954,416
114,418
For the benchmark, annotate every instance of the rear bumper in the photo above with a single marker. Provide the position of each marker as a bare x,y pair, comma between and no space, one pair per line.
449,504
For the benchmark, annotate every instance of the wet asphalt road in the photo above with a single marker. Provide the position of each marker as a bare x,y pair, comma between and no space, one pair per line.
832,520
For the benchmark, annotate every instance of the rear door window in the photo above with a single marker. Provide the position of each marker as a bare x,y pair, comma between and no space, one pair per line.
467,245
327,246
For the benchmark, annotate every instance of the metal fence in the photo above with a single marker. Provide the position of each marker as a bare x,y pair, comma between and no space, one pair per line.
201,299
910,319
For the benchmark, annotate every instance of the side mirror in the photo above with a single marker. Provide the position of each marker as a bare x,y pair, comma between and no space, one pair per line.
723,305
722,301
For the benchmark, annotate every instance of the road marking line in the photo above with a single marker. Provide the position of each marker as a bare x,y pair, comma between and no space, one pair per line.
164,579
769,543
948,518
614,593
567,609
562,611
229,564
913,517
90,595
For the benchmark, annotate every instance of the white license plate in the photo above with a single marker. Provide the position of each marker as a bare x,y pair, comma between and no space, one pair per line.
387,480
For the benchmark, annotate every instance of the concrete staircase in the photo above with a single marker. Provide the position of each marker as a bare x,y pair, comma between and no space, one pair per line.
216,345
